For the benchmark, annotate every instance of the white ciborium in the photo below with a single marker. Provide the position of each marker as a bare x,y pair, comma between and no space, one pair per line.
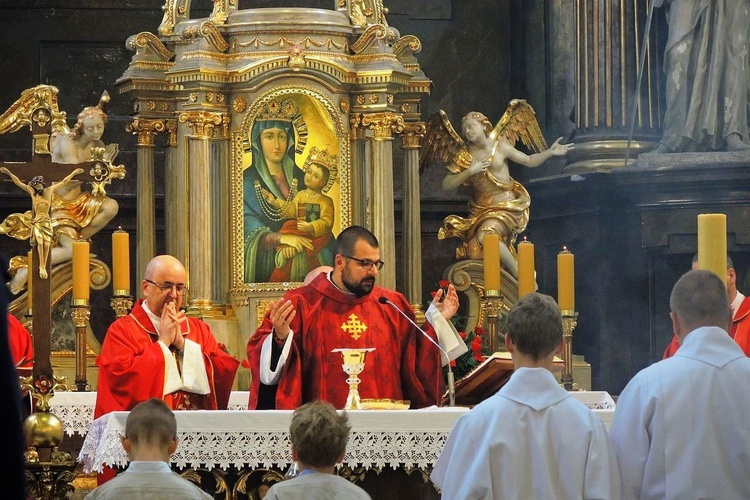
353,362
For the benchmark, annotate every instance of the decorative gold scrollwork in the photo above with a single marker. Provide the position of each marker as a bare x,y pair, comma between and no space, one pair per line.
372,33
383,124
103,171
412,135
202,123
144,40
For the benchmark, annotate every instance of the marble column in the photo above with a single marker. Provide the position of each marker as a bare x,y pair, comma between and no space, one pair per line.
608,50
145,131
383,219
360,166
200,232
412,221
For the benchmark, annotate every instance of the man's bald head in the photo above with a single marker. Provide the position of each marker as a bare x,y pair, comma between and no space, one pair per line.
161,262
161,272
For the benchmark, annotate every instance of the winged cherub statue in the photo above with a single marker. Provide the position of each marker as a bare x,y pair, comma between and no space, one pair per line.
498,204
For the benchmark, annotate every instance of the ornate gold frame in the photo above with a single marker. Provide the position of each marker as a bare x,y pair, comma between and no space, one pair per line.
327,110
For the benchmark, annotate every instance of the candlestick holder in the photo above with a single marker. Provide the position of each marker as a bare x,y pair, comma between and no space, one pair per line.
492,304
80,311
122,303
569,322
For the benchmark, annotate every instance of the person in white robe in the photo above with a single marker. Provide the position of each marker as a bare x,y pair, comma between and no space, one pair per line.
681,425
532,439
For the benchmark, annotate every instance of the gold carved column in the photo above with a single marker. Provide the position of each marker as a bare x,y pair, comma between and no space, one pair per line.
383,219
202,125
412,222
608,50
145,131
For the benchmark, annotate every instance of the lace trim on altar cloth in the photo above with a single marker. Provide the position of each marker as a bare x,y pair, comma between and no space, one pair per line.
371,449
76,418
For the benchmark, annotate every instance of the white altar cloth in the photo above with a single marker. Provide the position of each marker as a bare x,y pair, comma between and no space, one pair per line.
220,439
76,409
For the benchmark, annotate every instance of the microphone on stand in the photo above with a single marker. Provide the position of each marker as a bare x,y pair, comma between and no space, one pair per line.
451,379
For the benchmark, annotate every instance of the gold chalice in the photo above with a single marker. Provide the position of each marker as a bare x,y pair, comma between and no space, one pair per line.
353,362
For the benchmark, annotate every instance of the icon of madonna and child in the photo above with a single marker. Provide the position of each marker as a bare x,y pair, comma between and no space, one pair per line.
288,215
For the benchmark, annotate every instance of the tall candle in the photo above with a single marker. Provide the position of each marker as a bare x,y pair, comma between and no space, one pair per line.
525,268
81,270
712,244
491,244
30,282
121,262
565,280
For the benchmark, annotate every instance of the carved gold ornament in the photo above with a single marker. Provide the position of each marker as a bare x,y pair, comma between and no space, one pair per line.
202,123
239,104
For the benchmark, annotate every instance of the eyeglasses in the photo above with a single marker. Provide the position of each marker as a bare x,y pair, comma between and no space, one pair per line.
366,264
180,288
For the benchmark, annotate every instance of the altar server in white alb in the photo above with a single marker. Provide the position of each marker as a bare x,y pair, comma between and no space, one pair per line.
532,439
681,425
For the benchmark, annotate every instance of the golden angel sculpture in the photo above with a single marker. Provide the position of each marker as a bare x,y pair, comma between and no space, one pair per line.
498,204
71,213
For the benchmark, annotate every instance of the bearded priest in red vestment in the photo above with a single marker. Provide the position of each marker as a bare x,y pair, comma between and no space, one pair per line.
157,351
290,354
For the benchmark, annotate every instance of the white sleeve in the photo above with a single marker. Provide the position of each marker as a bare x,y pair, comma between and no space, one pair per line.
172,380
447,335
602,477
268,376
630,437
194,377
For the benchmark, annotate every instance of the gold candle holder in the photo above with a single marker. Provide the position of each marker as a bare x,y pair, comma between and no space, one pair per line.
121,302
80,311
569,322
493,305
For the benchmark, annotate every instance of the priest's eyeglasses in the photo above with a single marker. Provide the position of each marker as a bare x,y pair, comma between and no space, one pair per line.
366,264
180,288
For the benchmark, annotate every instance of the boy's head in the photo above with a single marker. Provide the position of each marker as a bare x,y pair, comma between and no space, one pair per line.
535,326
319,434
316,176
151,425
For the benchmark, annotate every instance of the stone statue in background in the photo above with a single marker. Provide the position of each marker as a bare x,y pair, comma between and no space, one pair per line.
707,75
498,204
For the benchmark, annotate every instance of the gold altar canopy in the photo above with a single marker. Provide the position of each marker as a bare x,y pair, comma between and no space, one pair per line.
338,81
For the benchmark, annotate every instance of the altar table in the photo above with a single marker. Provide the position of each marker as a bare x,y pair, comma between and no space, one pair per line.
222,439
229,453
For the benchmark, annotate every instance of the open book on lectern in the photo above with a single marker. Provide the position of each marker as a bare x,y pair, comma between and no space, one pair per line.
487,378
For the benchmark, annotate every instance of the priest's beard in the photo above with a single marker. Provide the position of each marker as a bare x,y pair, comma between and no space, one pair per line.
358,288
